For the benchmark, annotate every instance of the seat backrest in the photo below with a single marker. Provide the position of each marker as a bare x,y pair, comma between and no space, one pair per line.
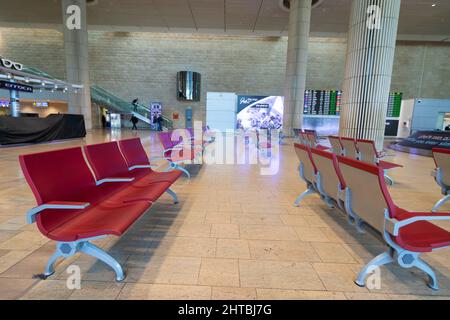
349,145
330,174
336,144
106,160
369,195
57,175
442,159
304,139
312,137
134,152
367,150
60,175
304,155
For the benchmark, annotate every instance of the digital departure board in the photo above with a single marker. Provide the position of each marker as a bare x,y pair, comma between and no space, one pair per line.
328,103
322,102
394,105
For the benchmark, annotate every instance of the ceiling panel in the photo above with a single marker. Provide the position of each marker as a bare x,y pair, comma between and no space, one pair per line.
417,17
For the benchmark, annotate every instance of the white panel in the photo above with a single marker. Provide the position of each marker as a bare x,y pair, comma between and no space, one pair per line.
221,110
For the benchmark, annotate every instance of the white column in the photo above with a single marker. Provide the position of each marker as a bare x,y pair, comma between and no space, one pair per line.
372,37
297,56
76,53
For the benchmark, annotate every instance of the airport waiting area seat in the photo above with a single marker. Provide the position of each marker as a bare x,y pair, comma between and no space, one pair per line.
407,234
358,189
368,153
363,150
310,138
336,145
178,152
75,208
441,174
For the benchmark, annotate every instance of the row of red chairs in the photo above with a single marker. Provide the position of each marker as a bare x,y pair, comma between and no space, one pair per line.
181,147
358,189
309,138
363,150
76,207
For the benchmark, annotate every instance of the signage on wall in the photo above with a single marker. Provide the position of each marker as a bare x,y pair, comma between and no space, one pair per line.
40,104
15,86
260,112
155,110
10,64
175,116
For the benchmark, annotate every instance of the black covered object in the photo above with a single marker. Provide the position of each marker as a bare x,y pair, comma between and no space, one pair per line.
34,130
427,140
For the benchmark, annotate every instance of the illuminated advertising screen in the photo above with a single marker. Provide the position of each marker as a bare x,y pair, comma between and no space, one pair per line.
260,112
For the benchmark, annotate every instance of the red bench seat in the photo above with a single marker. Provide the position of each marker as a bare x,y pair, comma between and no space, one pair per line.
73,208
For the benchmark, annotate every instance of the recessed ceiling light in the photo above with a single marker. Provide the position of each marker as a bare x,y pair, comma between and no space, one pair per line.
433,5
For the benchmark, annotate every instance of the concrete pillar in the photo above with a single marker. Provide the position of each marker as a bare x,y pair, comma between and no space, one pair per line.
372,36
76,53
297,56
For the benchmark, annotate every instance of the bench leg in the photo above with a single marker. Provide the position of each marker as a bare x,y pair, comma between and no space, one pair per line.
173,195
176,166
388,179
422,265
50,268
440,203
93,250
382,259
303,195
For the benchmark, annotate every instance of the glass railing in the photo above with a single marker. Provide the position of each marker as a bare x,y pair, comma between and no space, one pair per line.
103,97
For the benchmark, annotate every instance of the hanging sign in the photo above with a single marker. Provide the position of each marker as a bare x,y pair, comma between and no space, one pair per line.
15,86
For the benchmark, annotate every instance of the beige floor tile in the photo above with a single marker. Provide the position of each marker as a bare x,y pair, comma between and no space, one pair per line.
333,252
165,270
283,251
139,291
228,293
11,258
227,231
49,290
91,290
219,272
276,274
262,232
232,248
218,217
14,288
293,220
262,219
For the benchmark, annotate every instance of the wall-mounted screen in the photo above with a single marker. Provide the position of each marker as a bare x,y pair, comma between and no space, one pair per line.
260,112
188,86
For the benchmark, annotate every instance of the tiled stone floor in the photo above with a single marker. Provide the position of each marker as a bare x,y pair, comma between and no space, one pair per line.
234,235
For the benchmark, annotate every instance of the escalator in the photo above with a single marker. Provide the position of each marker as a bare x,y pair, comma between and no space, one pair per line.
116,104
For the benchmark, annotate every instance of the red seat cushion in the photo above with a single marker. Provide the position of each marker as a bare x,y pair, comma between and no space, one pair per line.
134,152
420,236
143,192
154,176
385,165
104,219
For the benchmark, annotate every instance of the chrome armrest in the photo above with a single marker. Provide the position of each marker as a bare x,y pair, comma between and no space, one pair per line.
99,182
64,205
144,166
393,226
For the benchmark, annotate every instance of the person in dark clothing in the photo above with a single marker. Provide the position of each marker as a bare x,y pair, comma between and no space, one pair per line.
103,121
135,103
134,121
159,120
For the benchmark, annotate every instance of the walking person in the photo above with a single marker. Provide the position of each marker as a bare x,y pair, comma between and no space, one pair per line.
134,121
103,121
159,120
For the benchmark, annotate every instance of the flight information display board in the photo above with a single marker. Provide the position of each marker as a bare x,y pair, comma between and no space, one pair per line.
394,104
328,103
322,102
